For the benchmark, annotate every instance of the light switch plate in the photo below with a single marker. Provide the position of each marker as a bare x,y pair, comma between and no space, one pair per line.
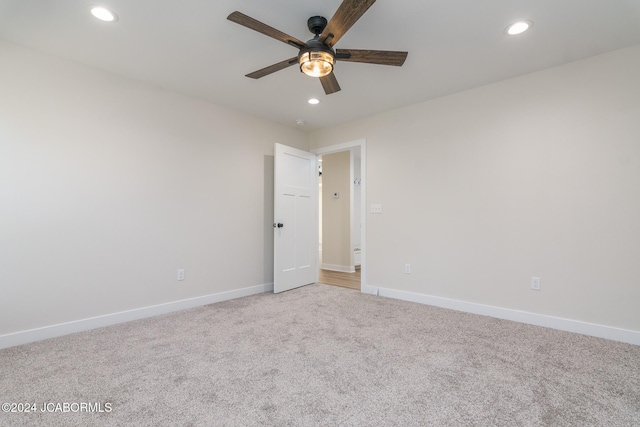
376,209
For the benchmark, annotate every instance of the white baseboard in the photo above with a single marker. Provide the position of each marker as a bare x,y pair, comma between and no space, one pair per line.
568,325
38,334
340,268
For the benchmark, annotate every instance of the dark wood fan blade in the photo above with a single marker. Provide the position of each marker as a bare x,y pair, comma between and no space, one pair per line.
382,57
273,68
249,22
346,15
330,84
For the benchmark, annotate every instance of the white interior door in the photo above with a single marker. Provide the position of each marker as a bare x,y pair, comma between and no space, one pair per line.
295,216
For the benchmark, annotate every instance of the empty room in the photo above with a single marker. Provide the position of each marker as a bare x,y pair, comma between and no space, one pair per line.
178,181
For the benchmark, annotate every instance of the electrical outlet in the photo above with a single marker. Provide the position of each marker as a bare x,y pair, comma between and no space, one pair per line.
535,283
407,268
181,274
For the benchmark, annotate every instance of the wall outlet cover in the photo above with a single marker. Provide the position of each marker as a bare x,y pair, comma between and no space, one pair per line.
535,283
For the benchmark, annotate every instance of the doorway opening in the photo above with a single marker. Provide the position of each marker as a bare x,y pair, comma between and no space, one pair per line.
341,216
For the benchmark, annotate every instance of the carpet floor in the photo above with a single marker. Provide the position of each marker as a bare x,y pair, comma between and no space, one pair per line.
321,355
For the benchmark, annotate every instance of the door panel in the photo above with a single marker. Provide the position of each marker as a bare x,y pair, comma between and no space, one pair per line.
304,213
287,240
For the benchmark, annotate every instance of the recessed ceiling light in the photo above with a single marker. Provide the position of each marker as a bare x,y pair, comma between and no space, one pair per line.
300,122
104,14
313,101
518,28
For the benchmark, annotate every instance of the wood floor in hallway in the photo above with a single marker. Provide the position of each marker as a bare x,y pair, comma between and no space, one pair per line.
337,278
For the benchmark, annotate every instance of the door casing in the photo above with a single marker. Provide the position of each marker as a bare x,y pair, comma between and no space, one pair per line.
347,146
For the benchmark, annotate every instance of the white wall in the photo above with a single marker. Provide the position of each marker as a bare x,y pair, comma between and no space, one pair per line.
108,186
534,176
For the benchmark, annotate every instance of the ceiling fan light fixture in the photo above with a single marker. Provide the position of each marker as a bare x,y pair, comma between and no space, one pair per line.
316,57
316,63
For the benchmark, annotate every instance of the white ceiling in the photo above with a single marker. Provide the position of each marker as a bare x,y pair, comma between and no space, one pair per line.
189,46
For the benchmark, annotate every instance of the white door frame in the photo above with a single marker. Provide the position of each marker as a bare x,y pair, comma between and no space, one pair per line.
347,146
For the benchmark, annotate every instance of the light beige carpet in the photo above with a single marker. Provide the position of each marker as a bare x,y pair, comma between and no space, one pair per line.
323,355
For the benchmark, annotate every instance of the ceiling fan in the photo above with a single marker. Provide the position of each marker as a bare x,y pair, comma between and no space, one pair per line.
317,57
